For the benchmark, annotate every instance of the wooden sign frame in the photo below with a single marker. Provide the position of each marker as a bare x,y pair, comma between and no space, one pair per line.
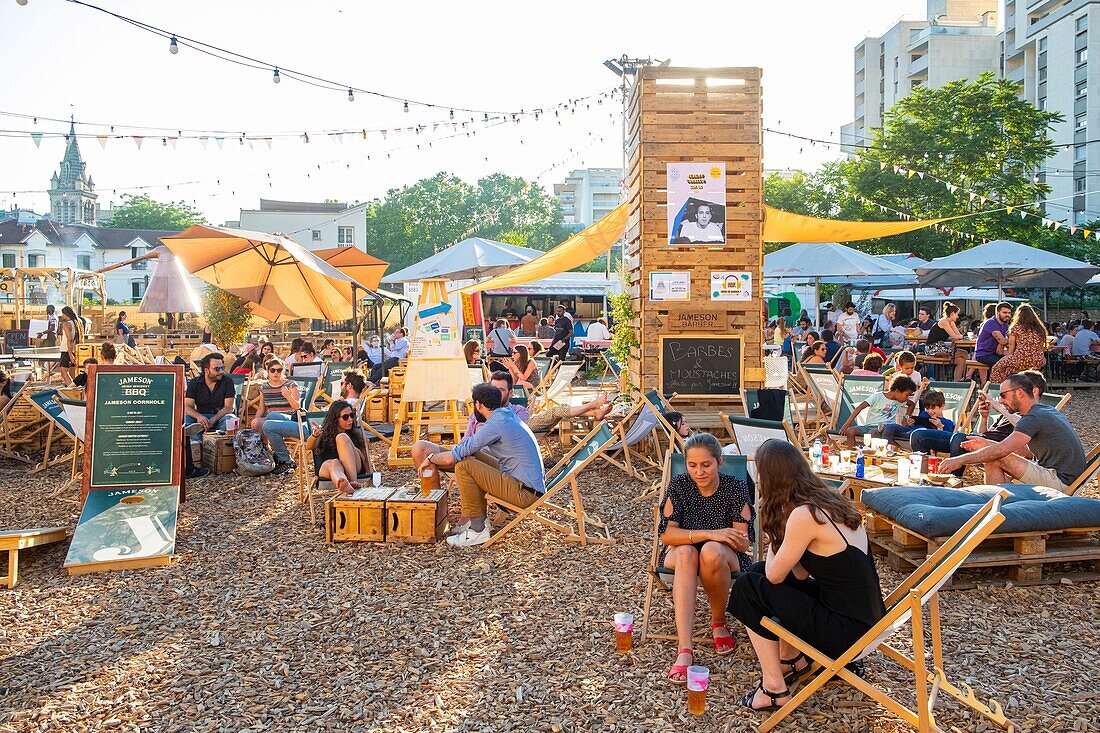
176,449
700,337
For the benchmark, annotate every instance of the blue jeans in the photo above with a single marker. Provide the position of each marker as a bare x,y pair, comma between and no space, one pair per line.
924,440
219,425
277,427
893,431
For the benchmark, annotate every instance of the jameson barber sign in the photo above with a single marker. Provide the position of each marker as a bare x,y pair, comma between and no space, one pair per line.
134,426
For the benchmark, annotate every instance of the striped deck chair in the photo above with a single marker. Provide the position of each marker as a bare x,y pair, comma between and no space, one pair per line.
554,391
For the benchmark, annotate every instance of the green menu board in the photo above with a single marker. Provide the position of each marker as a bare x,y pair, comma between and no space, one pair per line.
135,414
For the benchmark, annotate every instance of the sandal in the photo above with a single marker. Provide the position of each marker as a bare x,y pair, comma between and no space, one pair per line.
746,701
723,645
796,673
679,672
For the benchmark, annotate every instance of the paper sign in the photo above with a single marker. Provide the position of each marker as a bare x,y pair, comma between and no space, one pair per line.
697,203
730,286
669,286
38,327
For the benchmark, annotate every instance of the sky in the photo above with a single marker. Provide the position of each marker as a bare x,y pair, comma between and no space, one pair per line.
59,59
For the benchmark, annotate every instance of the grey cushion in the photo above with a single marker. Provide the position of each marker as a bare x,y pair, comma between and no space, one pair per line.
936,512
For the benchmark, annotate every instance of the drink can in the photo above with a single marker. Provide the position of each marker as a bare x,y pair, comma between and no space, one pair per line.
825,454
933,464
624,632
698,680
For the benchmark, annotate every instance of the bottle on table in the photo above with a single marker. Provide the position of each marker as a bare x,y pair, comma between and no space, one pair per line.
861,463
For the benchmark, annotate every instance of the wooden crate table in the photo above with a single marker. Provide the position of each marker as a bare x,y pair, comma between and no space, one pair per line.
21,539
386,514
217,453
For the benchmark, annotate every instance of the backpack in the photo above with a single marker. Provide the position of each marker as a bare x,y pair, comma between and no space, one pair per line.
253,458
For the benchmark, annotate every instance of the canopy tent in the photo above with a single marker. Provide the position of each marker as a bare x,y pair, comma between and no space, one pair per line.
273,272
471,258
1005,262
365,269
937,295
815,263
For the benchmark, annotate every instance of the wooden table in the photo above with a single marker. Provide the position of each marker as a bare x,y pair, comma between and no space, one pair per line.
882,473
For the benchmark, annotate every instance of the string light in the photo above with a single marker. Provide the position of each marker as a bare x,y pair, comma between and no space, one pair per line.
276,78
351,95
173,47
21,2
406,106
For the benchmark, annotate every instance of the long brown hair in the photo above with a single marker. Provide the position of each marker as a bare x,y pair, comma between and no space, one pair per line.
523,360
1026,317
786,482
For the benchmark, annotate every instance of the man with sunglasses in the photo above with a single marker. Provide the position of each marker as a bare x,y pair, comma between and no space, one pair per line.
209,398
1057,456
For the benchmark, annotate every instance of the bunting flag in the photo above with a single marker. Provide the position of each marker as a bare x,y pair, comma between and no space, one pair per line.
37,137
102,141
220,141
138,140
267,142
204,141
172,141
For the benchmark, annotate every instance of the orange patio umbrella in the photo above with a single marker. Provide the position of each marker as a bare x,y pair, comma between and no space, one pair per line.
273,272
365,269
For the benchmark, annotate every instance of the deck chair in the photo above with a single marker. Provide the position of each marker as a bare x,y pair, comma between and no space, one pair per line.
906,606
551,391
993,391
375,431
748,434
957,398
561,475
823,385
307,389
328,391
612,368
477,374
853,390
545,366
626,454
76,411
21,424
323,486
658,575
48,403
1092,464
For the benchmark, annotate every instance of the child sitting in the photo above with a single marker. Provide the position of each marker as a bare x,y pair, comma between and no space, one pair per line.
905,362
882,409
931,416
871,366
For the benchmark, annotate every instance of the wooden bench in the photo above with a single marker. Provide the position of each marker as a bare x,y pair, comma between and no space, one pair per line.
15,540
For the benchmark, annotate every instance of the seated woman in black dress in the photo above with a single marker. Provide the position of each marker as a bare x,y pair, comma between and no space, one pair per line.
819,579
339,448
706,528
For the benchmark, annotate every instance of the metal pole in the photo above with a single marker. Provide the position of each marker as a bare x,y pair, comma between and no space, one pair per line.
817,303
1046,303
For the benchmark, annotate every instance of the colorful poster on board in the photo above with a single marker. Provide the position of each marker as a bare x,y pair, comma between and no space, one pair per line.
135,434
436,335
730,286
697,203
669,286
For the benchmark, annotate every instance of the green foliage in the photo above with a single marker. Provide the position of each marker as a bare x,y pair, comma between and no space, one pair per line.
625,336
978,135
226,315
411,222
143,212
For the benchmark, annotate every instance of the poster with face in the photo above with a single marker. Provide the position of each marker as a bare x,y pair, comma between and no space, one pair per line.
697,203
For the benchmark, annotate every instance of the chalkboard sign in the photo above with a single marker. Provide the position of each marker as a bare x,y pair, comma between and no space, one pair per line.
473,332
701,366
134,426
14,340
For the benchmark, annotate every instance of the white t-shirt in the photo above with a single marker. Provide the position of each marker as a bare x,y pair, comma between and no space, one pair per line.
849,325
598,332
833,316
692,232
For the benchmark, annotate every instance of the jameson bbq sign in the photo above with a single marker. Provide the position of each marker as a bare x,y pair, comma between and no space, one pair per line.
134,420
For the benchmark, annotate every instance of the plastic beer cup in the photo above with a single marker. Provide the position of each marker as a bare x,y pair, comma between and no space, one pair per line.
698,679
376,478
624,632
426,477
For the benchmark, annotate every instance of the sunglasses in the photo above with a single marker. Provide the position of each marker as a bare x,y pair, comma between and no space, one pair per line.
347,416
275,370
219,369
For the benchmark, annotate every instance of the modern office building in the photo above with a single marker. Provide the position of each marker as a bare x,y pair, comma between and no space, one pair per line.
959,39
588,194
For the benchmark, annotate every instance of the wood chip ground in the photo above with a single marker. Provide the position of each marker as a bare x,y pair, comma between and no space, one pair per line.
260,626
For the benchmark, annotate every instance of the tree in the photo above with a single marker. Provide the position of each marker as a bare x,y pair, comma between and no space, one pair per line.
226,315
143,212
410,223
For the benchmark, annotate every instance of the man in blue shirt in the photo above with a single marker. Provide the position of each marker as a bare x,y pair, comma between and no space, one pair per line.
501,459
993,336
399,344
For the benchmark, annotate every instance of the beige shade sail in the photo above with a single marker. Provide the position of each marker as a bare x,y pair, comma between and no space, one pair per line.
365,269
269,270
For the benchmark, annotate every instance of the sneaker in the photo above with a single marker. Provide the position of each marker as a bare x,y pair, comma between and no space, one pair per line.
282,468
464,525
193,429
197,473
469,538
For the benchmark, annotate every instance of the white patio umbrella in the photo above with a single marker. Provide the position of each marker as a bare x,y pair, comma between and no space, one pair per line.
471,258
1003,262
831,261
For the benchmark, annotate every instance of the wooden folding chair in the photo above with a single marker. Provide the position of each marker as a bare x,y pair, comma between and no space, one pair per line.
323,486
561,475
906,606
549,392
1092,464
21,425
658,575
634,427
307,388
328,391
993,392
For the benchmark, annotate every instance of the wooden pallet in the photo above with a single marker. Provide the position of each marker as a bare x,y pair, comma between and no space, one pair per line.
1023,554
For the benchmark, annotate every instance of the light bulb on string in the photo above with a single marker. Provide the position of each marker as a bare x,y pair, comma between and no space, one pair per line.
406,106
21,2
351,95
173,47
275,77
452,115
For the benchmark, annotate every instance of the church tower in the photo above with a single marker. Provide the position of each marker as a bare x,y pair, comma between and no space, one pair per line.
72,194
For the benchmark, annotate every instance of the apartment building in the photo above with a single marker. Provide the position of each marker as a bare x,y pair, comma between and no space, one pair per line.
588,194
958,39
1046,47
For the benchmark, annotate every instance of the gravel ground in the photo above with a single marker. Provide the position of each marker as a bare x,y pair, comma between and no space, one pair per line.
260,626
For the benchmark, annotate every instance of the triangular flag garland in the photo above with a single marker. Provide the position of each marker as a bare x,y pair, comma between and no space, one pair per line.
138,140
102,141
37,137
